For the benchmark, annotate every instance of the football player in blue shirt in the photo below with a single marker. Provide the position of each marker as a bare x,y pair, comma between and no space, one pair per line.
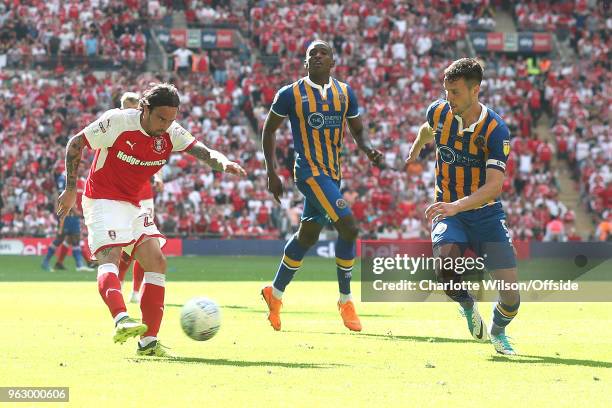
317,106
472,146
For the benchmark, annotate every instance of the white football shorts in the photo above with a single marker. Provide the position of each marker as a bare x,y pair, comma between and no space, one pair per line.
113,223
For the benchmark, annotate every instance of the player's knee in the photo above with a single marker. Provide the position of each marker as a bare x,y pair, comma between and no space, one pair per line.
160,263
307,238
155,262
347,229
350,233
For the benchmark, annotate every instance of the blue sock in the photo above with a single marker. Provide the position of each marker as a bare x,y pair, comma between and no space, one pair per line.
51,251
503,315
78,256
345,258
291,262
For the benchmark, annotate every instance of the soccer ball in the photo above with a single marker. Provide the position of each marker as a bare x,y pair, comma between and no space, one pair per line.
200,318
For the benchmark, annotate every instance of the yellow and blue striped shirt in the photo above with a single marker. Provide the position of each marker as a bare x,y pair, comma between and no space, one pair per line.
317,115
463,155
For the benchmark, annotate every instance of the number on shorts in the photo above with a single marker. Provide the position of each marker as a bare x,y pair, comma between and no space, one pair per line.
505,227
148,223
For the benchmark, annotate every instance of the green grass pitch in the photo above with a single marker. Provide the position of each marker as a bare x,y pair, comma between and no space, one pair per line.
56,331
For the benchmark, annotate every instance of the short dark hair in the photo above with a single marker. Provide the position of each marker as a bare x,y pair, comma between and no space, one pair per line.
467,68
160,94
319,42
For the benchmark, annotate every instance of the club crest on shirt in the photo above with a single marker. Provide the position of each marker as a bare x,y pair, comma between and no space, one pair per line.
112,234
159,144
506,147
341,204
342,98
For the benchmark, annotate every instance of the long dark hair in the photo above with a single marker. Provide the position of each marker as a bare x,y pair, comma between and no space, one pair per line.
160,94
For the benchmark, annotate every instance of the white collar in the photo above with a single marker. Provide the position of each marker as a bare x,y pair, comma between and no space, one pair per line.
483,113
322,89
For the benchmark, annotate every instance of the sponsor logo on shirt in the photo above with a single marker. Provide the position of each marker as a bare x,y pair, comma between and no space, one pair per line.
137,162
317,120
458,158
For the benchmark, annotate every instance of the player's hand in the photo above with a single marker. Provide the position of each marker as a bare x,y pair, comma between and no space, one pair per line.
413,157
65,202
375,156
275,186
158,185
440,210
235,169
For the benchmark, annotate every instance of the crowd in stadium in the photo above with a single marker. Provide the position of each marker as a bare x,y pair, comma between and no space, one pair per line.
393,57
66,34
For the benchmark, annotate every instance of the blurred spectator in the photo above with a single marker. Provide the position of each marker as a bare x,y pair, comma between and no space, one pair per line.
555,231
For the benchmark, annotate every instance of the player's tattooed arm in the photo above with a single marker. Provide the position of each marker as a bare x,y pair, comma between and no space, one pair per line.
67,198
203,153
215,159
74,150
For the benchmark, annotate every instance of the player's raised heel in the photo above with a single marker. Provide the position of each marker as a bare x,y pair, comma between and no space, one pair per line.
128,327
477,328
153,349
502,344
274,307
349,316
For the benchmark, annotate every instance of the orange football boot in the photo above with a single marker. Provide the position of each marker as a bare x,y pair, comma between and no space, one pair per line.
349,315
274,307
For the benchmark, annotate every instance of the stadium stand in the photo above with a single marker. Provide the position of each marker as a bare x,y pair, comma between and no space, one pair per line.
392,55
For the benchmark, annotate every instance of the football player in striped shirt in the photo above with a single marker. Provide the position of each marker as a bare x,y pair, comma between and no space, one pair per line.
472,146
317,106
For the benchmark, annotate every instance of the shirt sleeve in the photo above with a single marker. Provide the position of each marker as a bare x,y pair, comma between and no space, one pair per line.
353,107
430,112
181,139
105,130
282,102
499,148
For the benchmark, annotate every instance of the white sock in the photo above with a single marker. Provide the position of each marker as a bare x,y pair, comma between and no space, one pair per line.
277,293
120,316
345,298
145,341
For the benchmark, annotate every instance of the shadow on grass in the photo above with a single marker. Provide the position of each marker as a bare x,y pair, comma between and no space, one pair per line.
530,359
233,363
289,312
421,339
